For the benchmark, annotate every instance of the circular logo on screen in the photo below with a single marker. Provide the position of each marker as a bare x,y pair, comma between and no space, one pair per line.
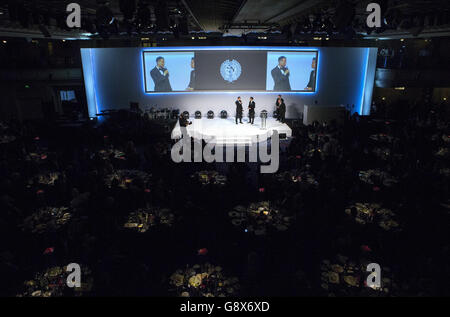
230,70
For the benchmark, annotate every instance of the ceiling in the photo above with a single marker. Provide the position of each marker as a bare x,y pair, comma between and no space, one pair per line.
21,18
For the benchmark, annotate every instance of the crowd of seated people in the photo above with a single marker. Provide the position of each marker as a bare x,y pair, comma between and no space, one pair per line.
375,188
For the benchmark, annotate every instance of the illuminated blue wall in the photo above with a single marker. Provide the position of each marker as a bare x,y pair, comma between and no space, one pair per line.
114,77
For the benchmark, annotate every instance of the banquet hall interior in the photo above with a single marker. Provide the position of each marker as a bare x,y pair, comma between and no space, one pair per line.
352,106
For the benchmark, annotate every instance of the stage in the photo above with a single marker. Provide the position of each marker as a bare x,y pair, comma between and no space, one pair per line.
227,132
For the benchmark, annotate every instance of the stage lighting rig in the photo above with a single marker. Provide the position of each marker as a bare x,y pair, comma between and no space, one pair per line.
104,16
24,16
88,25
392,18
128,8
105,20
13,10
184,25
143,17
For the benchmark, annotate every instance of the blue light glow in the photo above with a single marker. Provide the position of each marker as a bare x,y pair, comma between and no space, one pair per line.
360,112
90,81
95,80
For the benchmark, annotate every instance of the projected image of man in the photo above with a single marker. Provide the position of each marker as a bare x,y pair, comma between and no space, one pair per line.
312,77
280,75
191,85
160,75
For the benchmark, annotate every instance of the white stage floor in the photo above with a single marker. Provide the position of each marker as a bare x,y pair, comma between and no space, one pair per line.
226,131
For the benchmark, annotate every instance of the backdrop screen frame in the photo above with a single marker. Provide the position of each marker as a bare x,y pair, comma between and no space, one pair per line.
162,51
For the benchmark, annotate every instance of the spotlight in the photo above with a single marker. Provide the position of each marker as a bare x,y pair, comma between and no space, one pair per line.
105,19
104,15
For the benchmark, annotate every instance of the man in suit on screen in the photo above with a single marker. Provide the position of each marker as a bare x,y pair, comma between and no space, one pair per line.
280,75
191,85
312,77
160,76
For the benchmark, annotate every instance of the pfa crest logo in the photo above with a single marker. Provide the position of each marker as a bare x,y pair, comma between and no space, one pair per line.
230,70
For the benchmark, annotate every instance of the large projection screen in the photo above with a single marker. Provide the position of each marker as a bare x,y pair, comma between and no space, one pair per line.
230,70
114,77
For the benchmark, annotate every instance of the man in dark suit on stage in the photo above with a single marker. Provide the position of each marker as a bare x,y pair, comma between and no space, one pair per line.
251,111
239,110
191,85
281,109
280,75
160,76
312,76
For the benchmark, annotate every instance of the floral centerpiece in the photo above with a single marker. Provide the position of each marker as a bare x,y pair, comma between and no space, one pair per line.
47,219
204,280
53,283
260,217
142,219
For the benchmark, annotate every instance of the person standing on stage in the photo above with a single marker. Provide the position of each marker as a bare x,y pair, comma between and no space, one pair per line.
239,110
281,109
160,76
251,111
